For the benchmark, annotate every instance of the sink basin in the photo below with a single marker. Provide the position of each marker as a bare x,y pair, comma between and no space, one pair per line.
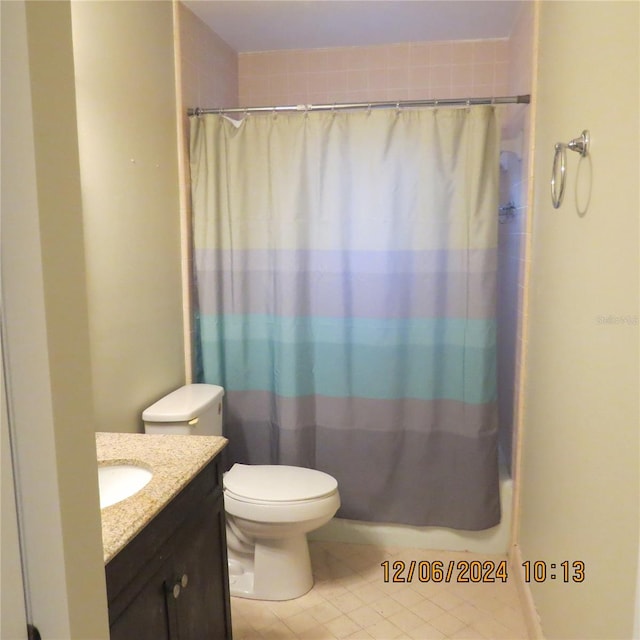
119,481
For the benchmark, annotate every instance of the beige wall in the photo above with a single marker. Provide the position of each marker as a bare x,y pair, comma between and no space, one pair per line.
45,323
403,71
14,87
13,623
129,169
579,483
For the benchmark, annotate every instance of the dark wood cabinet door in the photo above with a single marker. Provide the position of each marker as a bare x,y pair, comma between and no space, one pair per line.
147,618
199,562
171,582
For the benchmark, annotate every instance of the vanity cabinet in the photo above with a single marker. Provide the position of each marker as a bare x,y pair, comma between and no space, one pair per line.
171,580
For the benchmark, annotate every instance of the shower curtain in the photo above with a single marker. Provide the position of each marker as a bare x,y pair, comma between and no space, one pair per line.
345,268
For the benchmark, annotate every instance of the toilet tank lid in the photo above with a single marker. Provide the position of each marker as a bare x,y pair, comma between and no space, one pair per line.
185,403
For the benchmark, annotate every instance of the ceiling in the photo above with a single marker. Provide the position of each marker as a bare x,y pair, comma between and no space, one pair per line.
266,25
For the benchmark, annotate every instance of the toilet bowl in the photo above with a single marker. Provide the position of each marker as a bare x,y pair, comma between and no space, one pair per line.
269,508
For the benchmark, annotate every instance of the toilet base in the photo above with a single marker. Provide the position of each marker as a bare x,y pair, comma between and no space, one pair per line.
278,569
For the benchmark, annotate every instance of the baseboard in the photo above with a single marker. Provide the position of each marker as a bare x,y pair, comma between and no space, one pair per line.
493,541
531,617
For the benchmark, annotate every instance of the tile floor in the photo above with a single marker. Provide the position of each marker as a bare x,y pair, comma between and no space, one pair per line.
351,599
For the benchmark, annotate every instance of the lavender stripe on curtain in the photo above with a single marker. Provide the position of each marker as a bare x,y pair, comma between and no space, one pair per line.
345,267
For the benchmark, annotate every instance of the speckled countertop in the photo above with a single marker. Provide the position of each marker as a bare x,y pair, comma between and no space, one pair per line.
174,461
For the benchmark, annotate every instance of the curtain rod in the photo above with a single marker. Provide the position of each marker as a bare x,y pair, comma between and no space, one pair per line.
397,104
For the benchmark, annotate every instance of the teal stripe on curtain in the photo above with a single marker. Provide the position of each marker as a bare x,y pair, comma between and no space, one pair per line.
297,356
345,286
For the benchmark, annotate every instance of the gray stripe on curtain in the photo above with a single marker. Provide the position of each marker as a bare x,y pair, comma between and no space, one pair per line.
387,476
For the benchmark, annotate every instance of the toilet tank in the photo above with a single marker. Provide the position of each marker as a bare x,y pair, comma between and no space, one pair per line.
195,409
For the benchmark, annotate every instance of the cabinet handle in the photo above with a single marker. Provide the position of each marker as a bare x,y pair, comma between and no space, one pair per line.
184,581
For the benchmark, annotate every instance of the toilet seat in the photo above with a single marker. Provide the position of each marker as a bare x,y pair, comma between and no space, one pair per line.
260,484
278,493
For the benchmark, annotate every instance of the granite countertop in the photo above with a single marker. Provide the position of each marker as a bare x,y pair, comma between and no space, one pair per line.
174,461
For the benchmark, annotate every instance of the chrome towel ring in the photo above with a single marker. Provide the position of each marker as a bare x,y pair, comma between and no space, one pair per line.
559,171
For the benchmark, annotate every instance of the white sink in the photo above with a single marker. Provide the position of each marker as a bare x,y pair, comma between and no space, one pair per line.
119,481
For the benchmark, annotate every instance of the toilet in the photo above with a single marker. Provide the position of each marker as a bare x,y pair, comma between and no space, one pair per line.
269,508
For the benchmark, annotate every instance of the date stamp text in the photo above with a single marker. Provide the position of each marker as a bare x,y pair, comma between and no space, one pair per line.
479,571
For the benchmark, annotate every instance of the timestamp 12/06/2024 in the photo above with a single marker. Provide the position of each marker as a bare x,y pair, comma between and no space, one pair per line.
476,571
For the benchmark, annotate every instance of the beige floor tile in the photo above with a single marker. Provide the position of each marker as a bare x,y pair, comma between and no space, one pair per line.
359,635
446,600
427,610
347,602
262,618
385,630
354,582
286,608
511,617
387,606
365,616
316,633
447,623
351,600
467,613
244,631
487,603
425,632
428,589
301,622
369,593
311,599
406,620
342,626
370,573
330,589
467,634
325,612
407,597
496,631
278,631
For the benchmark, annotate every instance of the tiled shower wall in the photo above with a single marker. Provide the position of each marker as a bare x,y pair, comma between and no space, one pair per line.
366,74
214,75
208,65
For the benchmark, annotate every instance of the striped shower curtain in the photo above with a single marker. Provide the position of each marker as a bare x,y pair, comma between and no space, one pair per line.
345,271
